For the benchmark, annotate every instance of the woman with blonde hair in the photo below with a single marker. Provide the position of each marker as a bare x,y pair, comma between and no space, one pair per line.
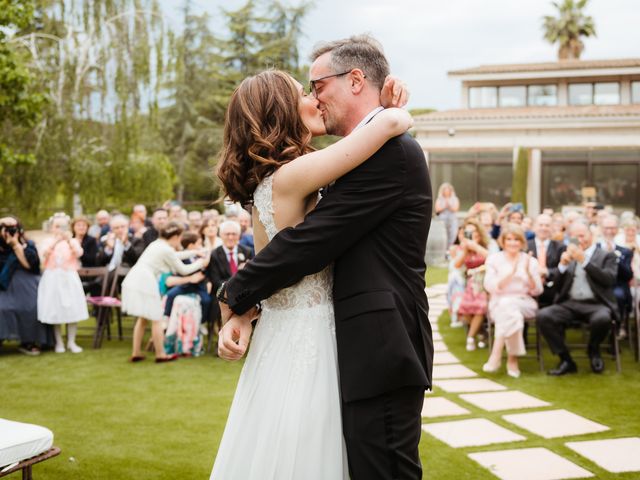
472,254
447,205
512,279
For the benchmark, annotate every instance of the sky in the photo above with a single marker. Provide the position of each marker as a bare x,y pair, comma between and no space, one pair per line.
424,39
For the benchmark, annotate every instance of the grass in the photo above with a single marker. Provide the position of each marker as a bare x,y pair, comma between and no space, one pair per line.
118,421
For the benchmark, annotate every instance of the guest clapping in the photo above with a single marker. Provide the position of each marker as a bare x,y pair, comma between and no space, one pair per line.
89,244
61,298
512,278
473,305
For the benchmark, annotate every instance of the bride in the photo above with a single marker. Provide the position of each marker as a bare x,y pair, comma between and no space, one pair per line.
285,421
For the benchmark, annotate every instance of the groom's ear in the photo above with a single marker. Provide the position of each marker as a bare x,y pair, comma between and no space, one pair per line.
357,77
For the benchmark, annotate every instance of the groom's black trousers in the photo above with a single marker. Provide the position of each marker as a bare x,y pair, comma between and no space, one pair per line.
382,435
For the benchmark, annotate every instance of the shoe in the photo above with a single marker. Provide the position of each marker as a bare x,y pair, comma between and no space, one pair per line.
597,364
487,367
168,358
73,348
471,344
59,349
482,344
136,358
513,373
30,350
563,368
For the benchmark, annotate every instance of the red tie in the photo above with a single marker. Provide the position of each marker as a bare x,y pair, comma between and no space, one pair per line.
232,264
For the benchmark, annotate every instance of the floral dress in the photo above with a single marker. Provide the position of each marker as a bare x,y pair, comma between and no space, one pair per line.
474,298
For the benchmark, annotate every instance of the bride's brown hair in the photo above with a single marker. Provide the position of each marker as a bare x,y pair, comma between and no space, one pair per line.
263,130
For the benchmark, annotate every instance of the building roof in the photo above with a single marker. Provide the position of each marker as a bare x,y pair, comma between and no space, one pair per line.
530,112
550,66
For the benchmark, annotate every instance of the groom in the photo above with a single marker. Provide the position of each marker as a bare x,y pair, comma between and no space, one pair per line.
373,223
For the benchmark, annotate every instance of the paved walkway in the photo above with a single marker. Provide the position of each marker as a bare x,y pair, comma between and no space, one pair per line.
534,415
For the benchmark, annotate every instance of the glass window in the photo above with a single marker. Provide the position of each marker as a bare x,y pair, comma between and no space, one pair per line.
494,183
606,93
512,96
580,94
460,175
562,184
542,95
635,92
483,97
616,185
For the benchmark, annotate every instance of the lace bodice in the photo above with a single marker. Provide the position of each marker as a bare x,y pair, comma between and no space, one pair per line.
313,289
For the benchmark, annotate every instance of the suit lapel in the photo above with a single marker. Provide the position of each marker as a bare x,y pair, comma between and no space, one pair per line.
224,262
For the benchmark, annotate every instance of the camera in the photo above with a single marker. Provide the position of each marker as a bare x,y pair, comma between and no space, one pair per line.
468,234
11,229
516,207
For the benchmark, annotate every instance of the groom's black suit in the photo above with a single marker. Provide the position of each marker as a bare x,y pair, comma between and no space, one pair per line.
373,223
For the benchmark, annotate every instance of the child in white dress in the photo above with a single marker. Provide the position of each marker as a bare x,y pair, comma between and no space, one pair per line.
61,298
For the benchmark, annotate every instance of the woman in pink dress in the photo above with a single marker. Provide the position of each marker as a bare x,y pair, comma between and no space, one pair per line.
472,254
512,279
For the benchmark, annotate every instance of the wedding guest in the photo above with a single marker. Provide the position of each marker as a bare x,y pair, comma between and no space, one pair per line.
547,252
558,229
119,246
137,226
61,298
447,206
101,227
141,291
473,305
211,213
209,234
89,244
512,278
141,211
194,219
159,220
455,280
485,217
585,293
246,232
19,278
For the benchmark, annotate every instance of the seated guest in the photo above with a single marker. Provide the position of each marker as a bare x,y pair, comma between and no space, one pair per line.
101,227
227,259
159,220
137,226
512,278
194,219
119,246
473,253
89,244
527,226
209,234
486,220
547,252
246,235
141,211
456,280
558,229
621,289
585,294
19,278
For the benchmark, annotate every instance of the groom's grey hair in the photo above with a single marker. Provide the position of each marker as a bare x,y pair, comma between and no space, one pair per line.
359,51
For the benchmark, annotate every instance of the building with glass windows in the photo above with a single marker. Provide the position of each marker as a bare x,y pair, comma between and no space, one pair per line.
579,122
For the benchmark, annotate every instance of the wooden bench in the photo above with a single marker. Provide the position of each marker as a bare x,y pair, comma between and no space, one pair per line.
26,465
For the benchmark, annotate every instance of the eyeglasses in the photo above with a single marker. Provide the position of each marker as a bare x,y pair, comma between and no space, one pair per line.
312,83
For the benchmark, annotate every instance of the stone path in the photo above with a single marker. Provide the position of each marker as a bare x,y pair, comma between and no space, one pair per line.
538,417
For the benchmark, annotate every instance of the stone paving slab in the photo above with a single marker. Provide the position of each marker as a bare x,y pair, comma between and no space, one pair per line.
496,401
440,346
469,385
442,358
474,432
434,407
452,371
529,464
437,336
555,423
615,455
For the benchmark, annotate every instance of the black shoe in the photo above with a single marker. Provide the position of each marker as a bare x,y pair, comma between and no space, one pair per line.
563,368
597,364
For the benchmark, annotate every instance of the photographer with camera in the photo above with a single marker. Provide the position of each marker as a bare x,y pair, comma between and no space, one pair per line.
19,279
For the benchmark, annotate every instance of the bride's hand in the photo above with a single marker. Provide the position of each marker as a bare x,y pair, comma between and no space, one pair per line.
396,119
394,93
233,339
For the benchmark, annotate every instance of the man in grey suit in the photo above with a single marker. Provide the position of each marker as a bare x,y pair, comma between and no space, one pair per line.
585,293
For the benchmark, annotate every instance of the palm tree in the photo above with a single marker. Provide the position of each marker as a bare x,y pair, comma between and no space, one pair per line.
568,28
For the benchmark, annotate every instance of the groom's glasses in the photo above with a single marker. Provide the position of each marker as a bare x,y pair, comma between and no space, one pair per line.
312,83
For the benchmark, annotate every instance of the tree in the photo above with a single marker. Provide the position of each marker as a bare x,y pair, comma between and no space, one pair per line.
568,28
520,175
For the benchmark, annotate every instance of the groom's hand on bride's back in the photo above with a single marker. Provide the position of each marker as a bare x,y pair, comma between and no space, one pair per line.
394,92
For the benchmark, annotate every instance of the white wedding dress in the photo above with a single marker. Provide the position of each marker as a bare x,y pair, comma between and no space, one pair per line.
285,421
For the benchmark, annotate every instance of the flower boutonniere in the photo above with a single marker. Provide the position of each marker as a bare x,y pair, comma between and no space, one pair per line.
241,257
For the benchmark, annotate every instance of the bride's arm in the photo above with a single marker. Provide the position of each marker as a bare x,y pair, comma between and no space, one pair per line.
310,172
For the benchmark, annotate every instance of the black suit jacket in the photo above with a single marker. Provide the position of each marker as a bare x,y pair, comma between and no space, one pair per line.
601,270
373,223
554,251
89,256
218,270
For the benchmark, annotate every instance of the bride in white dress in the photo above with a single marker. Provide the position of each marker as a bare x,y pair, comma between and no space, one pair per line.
285,419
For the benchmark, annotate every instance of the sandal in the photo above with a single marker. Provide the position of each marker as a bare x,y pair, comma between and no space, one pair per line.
136,358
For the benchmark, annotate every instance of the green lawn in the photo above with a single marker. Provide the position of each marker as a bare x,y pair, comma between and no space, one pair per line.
115,420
